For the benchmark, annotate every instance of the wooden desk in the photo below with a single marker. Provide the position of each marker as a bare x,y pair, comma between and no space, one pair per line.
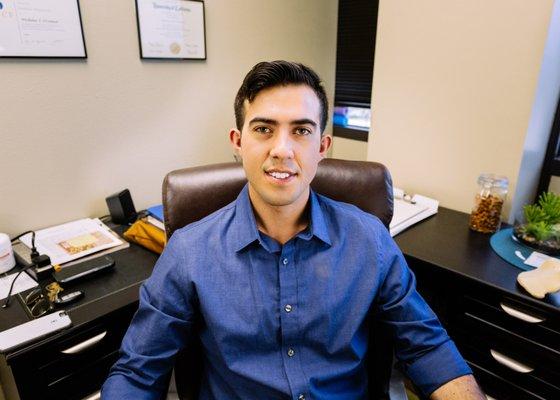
46,369
475,294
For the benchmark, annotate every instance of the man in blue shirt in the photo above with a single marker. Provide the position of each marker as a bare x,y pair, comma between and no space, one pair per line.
280,283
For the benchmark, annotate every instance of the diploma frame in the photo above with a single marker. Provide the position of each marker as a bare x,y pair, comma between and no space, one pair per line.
201,25
82,54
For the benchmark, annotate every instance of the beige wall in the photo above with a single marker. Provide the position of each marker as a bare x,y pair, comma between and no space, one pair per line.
73,132
453,87
349,149
555,184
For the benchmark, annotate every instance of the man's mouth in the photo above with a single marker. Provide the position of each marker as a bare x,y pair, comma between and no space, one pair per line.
280,175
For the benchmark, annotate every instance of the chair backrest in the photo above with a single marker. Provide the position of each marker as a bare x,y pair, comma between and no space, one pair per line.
191,194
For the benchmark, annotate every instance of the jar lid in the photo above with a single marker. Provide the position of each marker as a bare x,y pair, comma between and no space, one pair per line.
493,180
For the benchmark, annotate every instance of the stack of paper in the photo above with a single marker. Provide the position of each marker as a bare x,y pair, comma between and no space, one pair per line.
73,240
408,210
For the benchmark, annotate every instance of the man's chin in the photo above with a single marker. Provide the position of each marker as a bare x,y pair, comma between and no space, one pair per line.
280,199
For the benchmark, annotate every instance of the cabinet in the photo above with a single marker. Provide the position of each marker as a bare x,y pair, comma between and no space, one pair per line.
510,340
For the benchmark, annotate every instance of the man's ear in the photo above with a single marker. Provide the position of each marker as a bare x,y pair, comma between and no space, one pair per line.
235,140
326,142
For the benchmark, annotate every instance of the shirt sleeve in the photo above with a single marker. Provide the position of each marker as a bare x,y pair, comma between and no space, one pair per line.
424,350
157,332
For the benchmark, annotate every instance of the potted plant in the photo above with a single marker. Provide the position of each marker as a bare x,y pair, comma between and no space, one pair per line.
541,227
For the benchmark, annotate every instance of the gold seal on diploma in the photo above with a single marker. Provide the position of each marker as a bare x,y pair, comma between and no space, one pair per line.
175,48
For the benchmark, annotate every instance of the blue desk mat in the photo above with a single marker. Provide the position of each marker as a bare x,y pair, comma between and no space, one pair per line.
505,246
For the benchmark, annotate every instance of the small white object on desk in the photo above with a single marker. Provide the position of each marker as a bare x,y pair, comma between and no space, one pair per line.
33,330
536,259
408,210
542,280
7,260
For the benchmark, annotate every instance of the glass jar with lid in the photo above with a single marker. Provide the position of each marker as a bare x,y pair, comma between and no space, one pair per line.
488,203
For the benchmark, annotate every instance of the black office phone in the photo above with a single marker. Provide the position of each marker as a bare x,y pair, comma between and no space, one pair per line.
84,270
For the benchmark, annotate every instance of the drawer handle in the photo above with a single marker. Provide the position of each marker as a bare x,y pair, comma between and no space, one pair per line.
521,315
510,363
94,396
85,344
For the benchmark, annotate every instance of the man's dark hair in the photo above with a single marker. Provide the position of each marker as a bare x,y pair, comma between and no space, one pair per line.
266,75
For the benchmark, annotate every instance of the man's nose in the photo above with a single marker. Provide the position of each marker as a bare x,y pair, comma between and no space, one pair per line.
282,146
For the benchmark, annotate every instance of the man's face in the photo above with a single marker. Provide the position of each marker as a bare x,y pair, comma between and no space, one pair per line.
281,144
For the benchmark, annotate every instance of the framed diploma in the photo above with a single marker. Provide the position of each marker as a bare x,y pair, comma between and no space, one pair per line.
41,28
171,29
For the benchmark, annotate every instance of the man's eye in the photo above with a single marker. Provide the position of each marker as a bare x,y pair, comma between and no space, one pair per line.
262,129
303,131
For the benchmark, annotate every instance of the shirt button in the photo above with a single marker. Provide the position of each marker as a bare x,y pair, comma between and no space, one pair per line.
288,308
291,352
301,397
285,261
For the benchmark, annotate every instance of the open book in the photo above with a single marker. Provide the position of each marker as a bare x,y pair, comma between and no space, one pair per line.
408,210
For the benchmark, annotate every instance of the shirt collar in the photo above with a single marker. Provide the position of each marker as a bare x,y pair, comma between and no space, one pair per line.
317,225
246,225
244,221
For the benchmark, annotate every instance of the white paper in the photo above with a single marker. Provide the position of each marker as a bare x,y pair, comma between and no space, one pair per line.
155,222
171,28
23,282
403,211
536,259
41,28
409,210
73,240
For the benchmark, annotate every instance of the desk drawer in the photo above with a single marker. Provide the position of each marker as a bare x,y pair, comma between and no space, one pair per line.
82,349
80,358
534,324
84,380
532,367
499,388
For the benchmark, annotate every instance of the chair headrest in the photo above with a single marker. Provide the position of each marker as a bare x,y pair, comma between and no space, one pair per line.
191,194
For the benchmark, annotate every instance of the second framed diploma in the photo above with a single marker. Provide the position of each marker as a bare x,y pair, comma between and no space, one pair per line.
171,29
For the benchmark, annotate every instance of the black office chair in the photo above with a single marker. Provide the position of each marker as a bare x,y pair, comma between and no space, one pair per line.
193,193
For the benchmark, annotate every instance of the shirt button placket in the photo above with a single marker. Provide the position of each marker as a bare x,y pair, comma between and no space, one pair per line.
288,293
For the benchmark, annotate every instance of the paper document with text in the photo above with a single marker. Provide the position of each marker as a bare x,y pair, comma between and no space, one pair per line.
73,240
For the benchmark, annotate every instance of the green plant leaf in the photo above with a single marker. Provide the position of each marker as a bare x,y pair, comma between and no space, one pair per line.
549,203
533,214
539,230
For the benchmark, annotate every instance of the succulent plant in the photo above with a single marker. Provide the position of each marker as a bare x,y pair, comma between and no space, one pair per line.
542,220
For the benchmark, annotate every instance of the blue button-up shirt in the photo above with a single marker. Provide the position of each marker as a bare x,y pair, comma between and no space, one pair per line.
281,321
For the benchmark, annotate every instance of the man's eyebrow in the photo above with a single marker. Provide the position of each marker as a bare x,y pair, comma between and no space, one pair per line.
263,121
304,121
